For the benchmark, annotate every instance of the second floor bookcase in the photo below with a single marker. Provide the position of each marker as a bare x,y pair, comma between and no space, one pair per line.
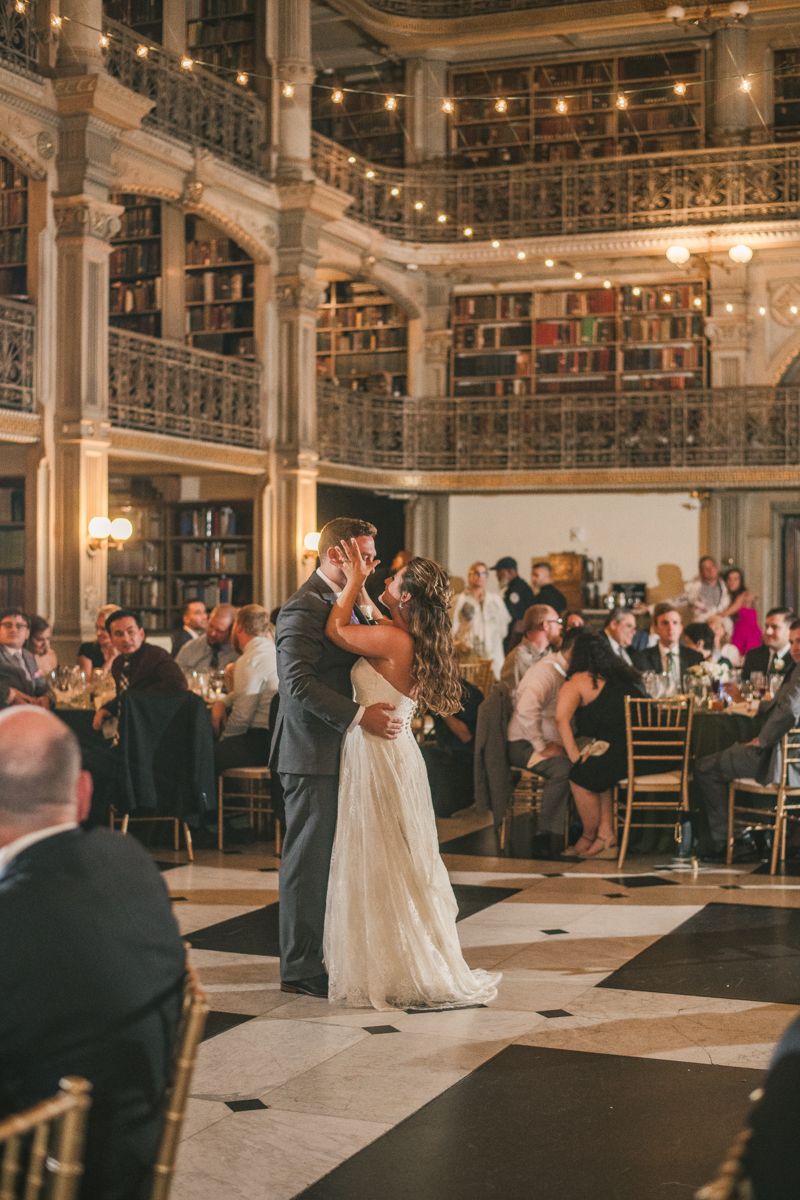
13,230
362,339
145,17
360,121
219,291
135,266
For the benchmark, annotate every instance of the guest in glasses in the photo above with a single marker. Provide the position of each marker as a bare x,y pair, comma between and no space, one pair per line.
620,630
19,670
541,633
212,650
480,619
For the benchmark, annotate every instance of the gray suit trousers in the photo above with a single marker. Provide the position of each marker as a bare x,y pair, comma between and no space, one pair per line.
311,807
556,790
711,778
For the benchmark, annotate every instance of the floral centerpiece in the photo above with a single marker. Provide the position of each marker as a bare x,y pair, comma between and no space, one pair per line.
705,680
719,672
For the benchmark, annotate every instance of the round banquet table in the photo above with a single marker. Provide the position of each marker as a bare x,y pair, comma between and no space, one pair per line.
714,731
80,722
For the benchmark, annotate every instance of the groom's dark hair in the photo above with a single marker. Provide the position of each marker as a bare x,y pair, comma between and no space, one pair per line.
342,529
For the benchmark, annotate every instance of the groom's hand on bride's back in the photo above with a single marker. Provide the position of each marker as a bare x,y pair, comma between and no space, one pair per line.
381,721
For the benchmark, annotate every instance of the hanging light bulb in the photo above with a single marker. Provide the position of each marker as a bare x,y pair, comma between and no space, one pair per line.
728,308
370,174
495,244
637,291
678,255
20,6
419,205
337,97
578,275
468,232
500,106
698,303
390,103
243,79
187,63
667,298
103,41
622,100
442,218
447,106
561,105
520,254
288,91
352,158
141,51
395,192
745,85
606,283
740,254
55,21
548,262
763,312
680,89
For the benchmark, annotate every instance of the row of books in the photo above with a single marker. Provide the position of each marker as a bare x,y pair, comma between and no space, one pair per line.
655,120
12,504
486,337
207,522
566,361
131,592
662,329
11,176
213,250
148,324
225,343
230,557
138,258
219,316
141,220
390,362
574,333
13,208
219,285
13,246
371,316
201,10
211,591
367,339
142,296
143,559
237,56
488,308
668,358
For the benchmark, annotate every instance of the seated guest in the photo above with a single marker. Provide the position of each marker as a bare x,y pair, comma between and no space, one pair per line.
212,650
533,728
480,619
517,597
18,666
620,630
668,656
39,645
774,655
594,695
771,1159
194,618
724,650
541,628
757,759
245,738
450,763
92,960
99,654
742,618
138,666
699,636
543,589
572,619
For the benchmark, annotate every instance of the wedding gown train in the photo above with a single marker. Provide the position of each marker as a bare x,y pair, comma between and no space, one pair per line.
390,924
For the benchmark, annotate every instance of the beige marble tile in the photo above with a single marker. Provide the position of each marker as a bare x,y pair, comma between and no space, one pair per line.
518,992
631,920
222,958
266,1154
495,878
191,917
202,1113
506,866
248,969
250,998
509,924
252,1058
577,954
239,897
385,1077
196,877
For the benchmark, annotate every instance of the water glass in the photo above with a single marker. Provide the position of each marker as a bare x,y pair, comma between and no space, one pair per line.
773,683
759,682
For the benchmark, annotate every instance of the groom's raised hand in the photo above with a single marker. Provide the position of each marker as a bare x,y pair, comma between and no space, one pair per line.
380,721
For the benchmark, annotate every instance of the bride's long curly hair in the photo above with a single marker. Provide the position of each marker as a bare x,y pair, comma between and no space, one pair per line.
435,674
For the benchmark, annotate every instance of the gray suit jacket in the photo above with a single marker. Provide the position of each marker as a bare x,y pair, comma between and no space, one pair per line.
12,674
494,782
784,714
317,705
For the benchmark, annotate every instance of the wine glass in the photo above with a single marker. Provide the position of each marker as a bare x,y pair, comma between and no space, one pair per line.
759,682
773,683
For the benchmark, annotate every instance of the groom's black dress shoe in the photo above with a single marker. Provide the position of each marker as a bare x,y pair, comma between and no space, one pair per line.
318,986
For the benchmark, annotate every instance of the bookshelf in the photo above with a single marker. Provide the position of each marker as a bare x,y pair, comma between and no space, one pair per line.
786,77
12,542
162,566
624,338
557,112
13,230
222,33
361,122
146,17
219,291
135,266
362,339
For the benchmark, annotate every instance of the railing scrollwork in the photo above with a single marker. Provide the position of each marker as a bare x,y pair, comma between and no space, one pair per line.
19,44
17,347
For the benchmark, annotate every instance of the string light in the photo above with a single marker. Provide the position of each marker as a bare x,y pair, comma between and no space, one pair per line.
763,312
794,309
468,232
103,41
578,275
622,101
521,254
606,283
500,106
419,205
697,302
243,79
548,262
55,21
680,89
288,91
442,218
352,158
187,63
495,244
666,297
637,291
395,192
448,106
20,6
745,85
141,51
370,174
728,308
561,105
390,103
337,97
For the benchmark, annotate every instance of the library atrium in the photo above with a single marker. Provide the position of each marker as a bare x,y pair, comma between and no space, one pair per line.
510,279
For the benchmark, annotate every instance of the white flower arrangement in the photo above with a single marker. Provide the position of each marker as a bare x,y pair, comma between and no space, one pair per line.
711,670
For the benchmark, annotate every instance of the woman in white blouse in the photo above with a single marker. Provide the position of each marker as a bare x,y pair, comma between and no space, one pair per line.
480,619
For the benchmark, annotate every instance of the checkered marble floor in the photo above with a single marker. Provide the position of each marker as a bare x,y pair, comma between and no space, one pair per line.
290,1089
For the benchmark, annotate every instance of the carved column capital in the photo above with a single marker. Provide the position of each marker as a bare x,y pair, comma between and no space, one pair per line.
730,332
437,345
86,217
297,294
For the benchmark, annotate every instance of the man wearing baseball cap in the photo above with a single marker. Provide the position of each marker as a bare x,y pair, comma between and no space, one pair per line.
518,597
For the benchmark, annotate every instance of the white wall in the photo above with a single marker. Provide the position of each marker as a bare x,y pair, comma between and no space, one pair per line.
642,537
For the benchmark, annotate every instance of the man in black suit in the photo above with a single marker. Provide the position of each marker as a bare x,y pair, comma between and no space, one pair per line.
773,655
668,656
92,960
195,622
138,666
316,710
758,759
545,591
517,597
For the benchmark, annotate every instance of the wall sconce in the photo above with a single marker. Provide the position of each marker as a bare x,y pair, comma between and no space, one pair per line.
311,545
101,531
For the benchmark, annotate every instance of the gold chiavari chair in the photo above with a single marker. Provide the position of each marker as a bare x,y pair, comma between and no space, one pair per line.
190,1031
41,1149
731,1182
479,671
749,817
525,798
657,731
249,792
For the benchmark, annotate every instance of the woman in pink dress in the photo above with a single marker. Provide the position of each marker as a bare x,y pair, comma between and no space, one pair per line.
746,632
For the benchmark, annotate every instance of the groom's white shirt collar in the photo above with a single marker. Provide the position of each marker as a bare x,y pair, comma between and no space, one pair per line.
335,587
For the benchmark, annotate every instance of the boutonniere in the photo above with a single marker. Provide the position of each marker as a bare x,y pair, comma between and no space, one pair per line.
467,611
777,667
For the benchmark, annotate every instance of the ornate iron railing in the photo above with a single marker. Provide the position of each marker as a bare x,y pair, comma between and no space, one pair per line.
19,45
433,10
17,348
752,426
533,200
191,105
166,388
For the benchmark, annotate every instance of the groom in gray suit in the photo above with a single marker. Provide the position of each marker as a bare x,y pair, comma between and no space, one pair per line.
316,711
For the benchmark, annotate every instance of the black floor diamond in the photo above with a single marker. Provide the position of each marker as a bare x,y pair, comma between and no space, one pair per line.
550,932
221,1022
245,1105
381,1029
554,1012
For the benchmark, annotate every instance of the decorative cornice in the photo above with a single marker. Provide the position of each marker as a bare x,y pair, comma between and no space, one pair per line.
103,97
85,217
133,444
314,197
29,165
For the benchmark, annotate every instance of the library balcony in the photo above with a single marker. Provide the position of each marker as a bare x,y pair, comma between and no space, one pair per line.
17,348
680,431
455,10
692,187
19,45
163,387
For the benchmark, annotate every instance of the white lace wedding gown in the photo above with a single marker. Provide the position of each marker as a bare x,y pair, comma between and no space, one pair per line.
390,924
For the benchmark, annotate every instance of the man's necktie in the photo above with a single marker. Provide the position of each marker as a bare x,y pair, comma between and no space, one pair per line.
214,658
122,686
672,668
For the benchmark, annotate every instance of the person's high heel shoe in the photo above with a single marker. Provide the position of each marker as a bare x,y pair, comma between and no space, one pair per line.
606,848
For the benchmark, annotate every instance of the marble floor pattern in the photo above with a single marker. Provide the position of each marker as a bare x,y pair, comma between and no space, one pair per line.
288,1088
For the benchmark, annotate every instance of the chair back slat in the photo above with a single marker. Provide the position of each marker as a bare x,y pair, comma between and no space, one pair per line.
658,730
46,1141
36,1164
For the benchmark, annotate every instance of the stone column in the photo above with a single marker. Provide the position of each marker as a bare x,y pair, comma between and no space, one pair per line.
733,111
295,69
79,48
729,328
426,84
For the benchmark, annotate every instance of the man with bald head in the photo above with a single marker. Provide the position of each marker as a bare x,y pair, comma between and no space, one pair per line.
91,960
212,650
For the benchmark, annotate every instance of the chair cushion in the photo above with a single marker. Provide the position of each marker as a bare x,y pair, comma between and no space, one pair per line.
665,779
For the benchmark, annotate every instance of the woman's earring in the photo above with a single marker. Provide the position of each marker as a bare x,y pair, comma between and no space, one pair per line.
400,607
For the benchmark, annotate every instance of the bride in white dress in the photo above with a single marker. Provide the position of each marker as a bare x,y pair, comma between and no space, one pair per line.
390,924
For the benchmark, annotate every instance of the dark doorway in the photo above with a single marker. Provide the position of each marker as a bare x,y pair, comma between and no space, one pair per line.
791,562
386,514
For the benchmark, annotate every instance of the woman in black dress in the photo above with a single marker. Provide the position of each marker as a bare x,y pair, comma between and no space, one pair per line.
594,694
